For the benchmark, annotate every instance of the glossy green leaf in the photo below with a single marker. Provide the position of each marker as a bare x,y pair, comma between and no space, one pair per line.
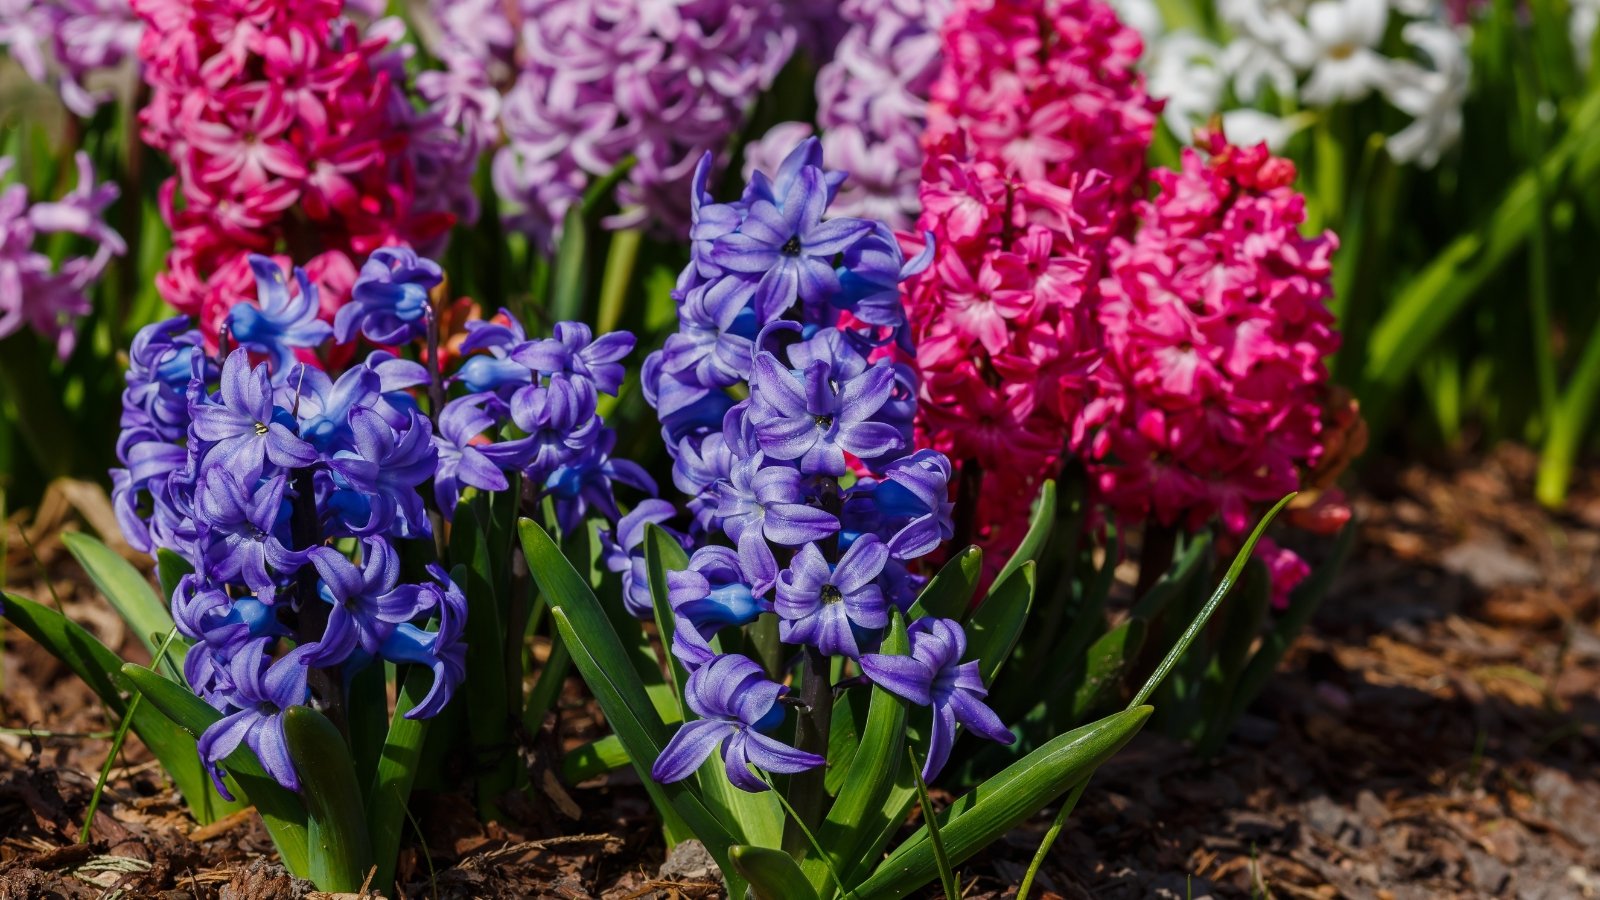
1039,525
948,595
1004,802
341,852
860,811
100,669
127,590
996,625
281,810
773,874
397,771
663,553
603,662
169,568
594,759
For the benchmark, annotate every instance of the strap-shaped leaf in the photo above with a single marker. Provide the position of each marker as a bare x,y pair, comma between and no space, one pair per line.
594,759
1039,525
859,813
281,810
773,874
604,664
948,595
127,591
100,669
397,771
663,554
341,853
1004,802
996,625
169,568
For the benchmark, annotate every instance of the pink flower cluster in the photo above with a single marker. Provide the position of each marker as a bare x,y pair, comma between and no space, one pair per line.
290,135
1212,394
1037,136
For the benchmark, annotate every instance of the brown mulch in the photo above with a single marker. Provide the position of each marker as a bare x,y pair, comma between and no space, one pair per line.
1436,734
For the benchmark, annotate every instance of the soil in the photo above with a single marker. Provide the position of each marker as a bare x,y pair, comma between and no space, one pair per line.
1435,734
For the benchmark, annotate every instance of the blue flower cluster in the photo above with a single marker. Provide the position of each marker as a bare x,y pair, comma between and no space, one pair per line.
790,425
294,494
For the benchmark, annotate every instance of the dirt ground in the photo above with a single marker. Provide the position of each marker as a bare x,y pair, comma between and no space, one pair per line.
1435,734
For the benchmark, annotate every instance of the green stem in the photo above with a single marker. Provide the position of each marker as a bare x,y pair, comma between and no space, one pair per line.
1050,839
808,790
620,262
1568,425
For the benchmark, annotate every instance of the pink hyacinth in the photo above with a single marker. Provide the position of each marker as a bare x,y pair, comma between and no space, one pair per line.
1037,136
291,134
1216,324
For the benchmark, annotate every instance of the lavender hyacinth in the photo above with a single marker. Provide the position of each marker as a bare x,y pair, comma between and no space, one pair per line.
600,81
811,477
71,42
33,290
872,99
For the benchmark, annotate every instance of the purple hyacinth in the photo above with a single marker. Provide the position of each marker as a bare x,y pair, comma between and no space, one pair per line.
828,606
243,427
599,82
70,43
872,100
259,691
934,675
736,703
34,291
816,414
366,602
389,301
277,323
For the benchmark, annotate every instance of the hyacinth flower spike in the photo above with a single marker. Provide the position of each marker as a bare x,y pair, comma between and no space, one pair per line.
736,703
261,692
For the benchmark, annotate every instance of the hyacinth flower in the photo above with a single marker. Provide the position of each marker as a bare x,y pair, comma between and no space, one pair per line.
790,476
303,511
1032,169
289,126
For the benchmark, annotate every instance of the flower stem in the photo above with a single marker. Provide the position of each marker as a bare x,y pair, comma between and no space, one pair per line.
808,790
326,685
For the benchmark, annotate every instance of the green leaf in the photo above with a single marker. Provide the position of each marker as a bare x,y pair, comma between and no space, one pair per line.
948,595
860,811
996,625
663,554
341,852
397,771
1107,662
571,279
772,874
169,568
604,664
1039,525
1004,802
100,669
127,590
281,810
941,860
594,759
1199,622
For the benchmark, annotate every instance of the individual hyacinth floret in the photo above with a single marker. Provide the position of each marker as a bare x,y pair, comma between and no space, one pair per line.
808,500
294,493
34,291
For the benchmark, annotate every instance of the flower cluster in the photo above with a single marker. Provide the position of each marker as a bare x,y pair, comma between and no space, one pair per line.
34,291
1216,323
601,82
291,133
872,99
808,500
1319,54
295,495
1038,133
76,43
